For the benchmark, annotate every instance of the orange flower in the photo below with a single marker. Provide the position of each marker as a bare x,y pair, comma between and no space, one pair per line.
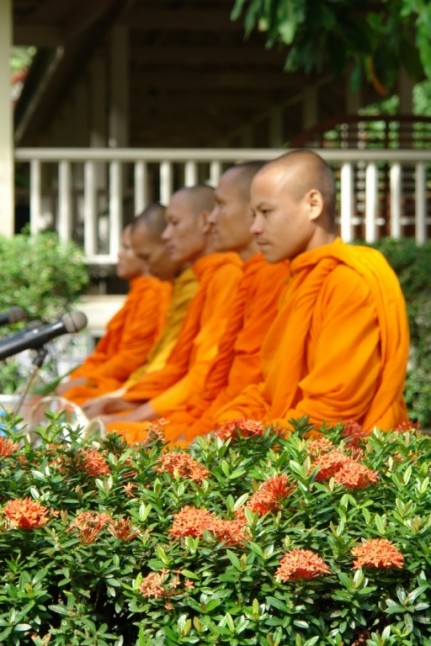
26,513
301,564
129,488
236,428
122,528
377,552
192,521
7,447
183,465
155,431
270,495
328,464
354,475
152,585
230,532
92,462
89,525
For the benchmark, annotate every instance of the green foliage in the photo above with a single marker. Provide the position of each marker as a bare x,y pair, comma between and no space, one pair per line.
66,581
40,274
377,38
412,265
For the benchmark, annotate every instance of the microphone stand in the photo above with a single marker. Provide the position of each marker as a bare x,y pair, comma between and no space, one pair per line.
37,363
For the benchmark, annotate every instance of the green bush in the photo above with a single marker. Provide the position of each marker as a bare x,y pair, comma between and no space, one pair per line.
246,538
40,274
44,277
412,264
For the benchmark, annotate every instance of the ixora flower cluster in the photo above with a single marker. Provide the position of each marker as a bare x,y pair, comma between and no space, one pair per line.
252,536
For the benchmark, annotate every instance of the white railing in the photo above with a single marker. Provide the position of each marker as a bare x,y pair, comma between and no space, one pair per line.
86,194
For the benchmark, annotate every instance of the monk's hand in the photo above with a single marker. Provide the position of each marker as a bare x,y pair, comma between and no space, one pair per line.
72,383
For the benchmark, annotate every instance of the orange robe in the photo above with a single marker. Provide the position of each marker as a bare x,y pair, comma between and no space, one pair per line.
197,345
238,361
129,336
185,287
339,346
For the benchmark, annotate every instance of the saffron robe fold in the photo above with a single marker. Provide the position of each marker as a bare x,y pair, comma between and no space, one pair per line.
129,336
185,287
238,361
186,369
338,348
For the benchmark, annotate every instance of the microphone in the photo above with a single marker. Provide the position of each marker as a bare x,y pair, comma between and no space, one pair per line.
35,338
12,315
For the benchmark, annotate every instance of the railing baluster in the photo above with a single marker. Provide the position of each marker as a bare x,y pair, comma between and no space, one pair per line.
420,218
371,203
141,186
395,175
190,173
90,208
115,207
102,247
64,201
215,173
35,196
165,181
346,210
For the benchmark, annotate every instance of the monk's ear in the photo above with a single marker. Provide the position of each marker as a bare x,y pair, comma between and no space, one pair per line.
315,203
204,221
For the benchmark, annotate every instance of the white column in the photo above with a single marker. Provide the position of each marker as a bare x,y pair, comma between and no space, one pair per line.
7,205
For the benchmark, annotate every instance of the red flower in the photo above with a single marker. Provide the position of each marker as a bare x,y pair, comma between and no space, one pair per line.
183,465
377,552
354,475
7,447
191,521
26,513
353,432
92,462
408,426
301,564
270,495
328,464
236,428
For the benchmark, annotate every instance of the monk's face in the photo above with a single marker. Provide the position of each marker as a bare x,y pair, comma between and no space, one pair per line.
231,217
283,222
153,253
186,231
129,266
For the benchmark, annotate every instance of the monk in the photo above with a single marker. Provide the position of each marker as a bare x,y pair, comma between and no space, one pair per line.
238,361
188,239
338,347
133,331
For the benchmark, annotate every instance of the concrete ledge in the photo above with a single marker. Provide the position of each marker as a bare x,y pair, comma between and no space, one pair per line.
99,309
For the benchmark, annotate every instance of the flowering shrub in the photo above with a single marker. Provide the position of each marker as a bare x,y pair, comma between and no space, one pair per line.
246,538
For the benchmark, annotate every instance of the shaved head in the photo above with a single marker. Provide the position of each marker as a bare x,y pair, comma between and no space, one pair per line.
147,241
200,198
153,217
293,204
301,171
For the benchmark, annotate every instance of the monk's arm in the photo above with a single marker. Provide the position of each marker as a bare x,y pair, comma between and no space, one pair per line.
205,347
